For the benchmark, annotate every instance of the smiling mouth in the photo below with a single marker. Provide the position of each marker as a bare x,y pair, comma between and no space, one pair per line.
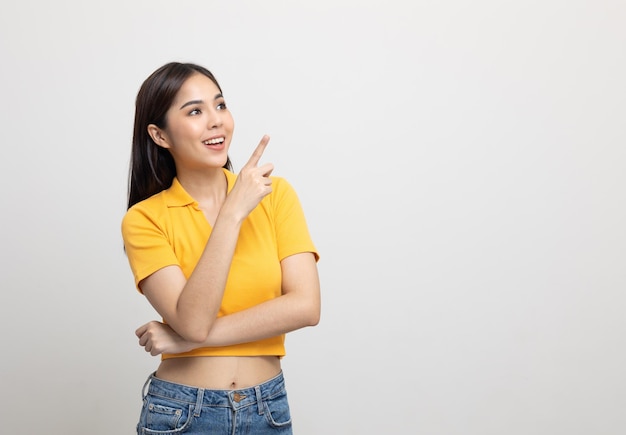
215,141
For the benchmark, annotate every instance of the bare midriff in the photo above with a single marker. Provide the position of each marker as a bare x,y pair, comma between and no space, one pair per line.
219,372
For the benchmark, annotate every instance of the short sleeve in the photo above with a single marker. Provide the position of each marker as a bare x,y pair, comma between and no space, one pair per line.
146,243
292,231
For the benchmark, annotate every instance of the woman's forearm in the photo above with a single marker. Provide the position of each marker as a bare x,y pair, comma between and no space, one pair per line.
190,306
200,300
275,317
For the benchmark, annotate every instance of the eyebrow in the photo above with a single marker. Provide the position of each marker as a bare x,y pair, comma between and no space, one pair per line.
192,102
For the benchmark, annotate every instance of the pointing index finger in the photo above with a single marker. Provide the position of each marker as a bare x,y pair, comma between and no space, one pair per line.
258,152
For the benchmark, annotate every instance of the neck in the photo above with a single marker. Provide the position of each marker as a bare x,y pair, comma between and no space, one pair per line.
206,187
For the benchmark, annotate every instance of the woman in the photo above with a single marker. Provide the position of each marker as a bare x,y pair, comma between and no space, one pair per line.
225,259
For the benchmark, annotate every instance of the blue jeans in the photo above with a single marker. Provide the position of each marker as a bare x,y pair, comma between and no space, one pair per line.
170,408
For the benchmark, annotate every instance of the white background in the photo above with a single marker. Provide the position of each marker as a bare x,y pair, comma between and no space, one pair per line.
461,164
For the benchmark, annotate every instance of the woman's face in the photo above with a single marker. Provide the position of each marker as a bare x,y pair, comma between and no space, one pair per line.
199,127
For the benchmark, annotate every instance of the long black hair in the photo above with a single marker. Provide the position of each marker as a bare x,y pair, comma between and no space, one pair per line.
152,167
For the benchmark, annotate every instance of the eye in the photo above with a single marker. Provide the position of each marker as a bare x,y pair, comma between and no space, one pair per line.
195,111
221,106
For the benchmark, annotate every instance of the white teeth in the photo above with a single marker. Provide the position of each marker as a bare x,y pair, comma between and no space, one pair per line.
214,141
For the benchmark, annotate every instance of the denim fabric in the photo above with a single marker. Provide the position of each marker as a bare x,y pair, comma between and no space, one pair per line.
170,408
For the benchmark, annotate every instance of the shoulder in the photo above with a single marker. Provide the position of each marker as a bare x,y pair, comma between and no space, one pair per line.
282,192
151,210
281,184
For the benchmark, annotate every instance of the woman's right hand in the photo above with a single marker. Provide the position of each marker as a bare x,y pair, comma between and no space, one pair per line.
252,185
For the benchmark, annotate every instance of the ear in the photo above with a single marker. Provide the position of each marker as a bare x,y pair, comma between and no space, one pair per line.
158,136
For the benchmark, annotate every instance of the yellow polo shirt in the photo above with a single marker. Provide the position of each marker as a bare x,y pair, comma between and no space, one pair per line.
170,229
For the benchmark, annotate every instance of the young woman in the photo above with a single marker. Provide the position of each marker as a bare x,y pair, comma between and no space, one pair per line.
226,260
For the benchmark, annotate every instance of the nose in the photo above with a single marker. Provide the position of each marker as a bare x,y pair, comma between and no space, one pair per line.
215,119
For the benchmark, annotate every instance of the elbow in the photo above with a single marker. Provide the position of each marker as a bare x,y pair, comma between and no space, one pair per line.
314,320
311,315
197,335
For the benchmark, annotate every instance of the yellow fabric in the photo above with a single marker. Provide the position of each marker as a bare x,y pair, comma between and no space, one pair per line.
170,229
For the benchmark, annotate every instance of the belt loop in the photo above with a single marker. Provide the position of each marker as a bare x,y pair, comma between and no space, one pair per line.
145,385
259,400
198,408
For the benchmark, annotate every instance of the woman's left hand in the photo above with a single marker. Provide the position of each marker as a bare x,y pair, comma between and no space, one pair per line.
158,338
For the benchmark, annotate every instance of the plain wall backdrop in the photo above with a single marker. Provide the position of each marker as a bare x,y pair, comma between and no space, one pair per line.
462,166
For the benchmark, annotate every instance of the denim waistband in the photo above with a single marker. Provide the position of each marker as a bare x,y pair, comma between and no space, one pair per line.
200,397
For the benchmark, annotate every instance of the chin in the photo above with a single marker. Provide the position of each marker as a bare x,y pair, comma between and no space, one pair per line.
223,161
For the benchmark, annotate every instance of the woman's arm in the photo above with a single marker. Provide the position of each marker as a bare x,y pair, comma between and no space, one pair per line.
190,307
298,306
